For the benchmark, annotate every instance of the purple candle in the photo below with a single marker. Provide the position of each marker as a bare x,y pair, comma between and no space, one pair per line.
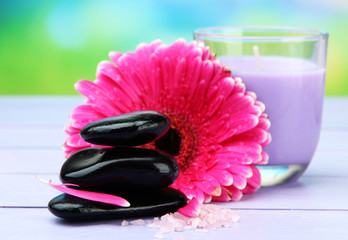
292,90
285,67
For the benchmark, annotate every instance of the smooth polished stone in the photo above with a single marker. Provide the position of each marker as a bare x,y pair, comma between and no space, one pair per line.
131,129
143,203
120,167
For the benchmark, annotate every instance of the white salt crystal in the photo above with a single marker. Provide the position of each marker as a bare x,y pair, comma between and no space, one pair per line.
211,217
148,222
124,223
139,222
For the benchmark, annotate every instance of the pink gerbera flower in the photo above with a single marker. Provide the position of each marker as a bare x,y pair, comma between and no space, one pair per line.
217,128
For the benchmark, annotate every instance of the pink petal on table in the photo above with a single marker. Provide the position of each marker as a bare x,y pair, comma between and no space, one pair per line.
93,196
192,209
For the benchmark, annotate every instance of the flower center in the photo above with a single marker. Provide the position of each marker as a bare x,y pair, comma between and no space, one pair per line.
169,142
180,141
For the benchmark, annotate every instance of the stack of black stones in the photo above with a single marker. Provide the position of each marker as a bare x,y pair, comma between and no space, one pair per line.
139,175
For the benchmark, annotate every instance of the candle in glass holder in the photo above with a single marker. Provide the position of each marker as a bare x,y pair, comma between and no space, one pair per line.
285,67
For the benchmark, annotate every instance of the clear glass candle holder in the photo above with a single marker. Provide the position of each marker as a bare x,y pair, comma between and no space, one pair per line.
286,69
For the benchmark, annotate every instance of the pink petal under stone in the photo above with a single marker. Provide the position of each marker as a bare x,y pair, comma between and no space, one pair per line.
192,208
93,196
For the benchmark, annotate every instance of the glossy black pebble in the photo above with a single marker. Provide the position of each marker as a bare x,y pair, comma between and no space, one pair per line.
121,167
131,129
153,203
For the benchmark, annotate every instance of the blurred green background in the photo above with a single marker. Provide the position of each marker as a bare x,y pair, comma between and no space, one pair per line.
47,45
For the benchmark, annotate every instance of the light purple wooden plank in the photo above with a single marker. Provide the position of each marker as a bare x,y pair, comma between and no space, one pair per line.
26,190
308,193
328,164
335,112
32,137
262,225
37,110
333,140
31,161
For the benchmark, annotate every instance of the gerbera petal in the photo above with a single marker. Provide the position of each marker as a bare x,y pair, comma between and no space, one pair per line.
193,75
76,141
224,177
192,209
114,56
222,165
70,130
241,152
199,195
235,193
254,182
209,185
264,159
85,112
219,128
95,94
241,170
239,182
256,134
225,196
106,71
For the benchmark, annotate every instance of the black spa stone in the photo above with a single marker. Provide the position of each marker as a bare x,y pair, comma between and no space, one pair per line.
120,167
131,129
143,203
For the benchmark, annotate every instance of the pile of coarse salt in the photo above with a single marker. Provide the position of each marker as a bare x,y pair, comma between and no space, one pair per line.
211,217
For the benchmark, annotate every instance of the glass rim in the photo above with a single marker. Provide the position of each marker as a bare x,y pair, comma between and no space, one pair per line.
216,33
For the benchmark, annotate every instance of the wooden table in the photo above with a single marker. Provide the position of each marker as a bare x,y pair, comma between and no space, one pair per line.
316,207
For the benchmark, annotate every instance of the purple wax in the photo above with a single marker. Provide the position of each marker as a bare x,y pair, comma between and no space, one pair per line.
293,91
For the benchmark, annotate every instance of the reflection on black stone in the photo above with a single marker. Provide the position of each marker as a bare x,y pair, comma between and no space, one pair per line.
169,142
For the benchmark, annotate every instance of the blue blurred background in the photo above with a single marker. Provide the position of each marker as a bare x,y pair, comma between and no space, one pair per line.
47,45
